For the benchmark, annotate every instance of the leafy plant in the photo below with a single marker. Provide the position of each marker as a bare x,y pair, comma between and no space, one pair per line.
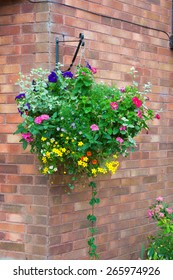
79,127
161,244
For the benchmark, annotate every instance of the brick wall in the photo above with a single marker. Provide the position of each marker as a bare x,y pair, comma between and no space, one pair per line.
38,220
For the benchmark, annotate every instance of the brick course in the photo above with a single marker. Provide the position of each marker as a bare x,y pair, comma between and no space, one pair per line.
38,219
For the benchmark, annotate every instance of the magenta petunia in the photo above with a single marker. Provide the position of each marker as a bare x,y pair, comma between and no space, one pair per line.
114,105
139,114
27,137
150,213
94,127
169,210
137,101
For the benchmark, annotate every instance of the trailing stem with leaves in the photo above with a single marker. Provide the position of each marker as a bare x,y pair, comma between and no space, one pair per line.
78,126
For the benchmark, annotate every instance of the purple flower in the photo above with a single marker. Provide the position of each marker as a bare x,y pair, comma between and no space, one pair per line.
20,112
67,74
119,139
94,127
27,106
88,65
122,89
53,77
19,96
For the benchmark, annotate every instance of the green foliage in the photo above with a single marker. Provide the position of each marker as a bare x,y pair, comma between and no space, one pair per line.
77,125
161,244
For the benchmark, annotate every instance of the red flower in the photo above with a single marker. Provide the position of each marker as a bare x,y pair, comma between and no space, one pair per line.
94,161
157,116
89,154
137,102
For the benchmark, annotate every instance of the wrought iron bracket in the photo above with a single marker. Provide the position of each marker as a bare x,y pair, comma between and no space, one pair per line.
80,43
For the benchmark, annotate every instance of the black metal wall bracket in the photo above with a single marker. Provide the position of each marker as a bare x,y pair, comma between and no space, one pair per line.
81,43
171,42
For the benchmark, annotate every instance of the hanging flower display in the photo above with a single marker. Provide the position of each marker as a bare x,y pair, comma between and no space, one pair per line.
74,124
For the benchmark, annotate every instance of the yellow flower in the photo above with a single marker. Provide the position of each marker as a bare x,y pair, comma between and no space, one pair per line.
61,135
63,150
44,160
80,162
84,164
48,154
102,170
72,140
67,138
43,139
52,140
45,170
80,143
57,151
94,171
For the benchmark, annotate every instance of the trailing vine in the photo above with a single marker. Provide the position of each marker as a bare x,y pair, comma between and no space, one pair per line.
92,218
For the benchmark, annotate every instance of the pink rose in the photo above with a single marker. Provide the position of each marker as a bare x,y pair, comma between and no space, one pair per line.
114,105
94,127
119,139
161,215
137,102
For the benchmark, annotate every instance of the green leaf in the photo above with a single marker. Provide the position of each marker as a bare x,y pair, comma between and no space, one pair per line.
91,218
109,130
24,145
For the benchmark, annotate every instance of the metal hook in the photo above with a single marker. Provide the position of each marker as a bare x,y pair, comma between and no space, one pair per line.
81,43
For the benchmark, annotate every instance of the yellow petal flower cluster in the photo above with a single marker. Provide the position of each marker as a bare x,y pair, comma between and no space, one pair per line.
112,166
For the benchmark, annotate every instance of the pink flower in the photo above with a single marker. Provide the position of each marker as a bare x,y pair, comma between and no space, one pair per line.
93,70
45,117
122,89
140,114
38,120
94,127
41,118
159,198
161,215
169,210
150,213
157,116
119,139
123,127
27,137
114,105
137,102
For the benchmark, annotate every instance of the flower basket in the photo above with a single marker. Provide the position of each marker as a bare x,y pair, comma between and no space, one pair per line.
79,127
